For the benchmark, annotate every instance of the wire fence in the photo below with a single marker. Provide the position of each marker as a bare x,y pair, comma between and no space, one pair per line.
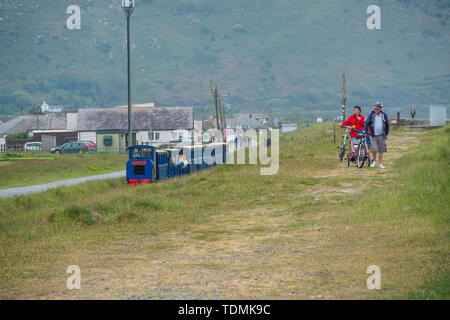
14,148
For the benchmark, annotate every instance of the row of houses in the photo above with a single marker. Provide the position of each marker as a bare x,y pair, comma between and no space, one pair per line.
107,127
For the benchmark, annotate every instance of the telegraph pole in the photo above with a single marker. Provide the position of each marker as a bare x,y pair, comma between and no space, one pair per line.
128,7
344,98
222,112
212,102
216,103
270,116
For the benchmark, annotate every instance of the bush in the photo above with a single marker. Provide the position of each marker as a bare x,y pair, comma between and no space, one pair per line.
74,213
18,136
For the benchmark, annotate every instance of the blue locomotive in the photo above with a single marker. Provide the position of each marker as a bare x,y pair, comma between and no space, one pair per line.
146,163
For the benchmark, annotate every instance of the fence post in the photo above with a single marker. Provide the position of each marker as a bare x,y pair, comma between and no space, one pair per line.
334,132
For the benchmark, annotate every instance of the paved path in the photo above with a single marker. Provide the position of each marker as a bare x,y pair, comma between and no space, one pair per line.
19,191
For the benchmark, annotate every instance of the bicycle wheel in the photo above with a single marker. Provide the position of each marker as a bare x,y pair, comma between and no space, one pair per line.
348,159
361,155
342,152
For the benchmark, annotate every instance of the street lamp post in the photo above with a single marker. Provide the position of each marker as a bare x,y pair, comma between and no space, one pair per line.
128,7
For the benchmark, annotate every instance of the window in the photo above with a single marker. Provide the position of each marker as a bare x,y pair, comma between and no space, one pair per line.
107,140
153,135
141,153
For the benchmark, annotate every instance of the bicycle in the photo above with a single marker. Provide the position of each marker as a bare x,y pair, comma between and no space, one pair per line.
343,144
363,153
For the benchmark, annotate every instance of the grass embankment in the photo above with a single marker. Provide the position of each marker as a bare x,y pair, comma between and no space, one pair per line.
310,231
24,169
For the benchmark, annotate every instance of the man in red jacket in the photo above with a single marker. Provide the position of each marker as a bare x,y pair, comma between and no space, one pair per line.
356,121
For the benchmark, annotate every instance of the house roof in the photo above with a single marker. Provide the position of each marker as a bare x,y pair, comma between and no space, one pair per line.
152,118
206,124
27,122
250,123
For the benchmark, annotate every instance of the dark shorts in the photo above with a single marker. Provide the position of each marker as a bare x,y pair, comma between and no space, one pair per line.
378,144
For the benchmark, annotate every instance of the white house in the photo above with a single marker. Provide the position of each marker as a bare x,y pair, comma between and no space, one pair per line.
53,109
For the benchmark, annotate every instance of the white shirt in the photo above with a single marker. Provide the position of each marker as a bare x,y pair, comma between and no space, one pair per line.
378,125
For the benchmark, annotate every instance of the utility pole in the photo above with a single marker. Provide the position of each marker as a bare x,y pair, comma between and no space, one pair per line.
128,7
212,102
216,103
344,98
222,112
218,108
270,116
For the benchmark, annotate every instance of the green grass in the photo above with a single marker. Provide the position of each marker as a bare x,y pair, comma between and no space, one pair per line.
23,169
404,229
438,289
424,177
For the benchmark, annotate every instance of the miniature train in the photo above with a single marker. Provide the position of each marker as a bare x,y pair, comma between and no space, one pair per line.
146,163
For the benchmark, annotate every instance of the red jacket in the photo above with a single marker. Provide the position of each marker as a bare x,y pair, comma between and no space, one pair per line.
353,121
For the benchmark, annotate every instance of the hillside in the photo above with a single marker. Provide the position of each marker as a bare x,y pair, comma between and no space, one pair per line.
288,53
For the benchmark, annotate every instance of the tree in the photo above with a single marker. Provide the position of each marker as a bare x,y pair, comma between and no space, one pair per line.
35,110
23,98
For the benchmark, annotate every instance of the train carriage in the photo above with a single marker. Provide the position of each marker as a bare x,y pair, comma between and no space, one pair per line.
213,150
146,164
162,164
173,167
194,157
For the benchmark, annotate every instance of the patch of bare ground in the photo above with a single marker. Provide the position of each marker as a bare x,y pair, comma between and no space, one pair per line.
316,261
398,145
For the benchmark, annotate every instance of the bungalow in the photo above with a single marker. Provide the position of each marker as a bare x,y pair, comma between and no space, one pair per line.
107,127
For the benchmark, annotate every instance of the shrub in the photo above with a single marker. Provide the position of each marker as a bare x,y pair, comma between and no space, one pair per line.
74,213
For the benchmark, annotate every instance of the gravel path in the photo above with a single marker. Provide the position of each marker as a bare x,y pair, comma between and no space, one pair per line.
19,191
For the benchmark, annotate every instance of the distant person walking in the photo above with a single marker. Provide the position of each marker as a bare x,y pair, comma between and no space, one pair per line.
377,124
413,113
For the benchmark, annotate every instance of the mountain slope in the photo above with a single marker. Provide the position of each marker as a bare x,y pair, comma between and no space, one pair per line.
289,53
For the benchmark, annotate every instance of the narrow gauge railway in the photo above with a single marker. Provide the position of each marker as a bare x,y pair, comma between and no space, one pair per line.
147,164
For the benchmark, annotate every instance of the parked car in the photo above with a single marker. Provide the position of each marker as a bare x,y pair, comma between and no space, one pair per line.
71,147
91,145
33,146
